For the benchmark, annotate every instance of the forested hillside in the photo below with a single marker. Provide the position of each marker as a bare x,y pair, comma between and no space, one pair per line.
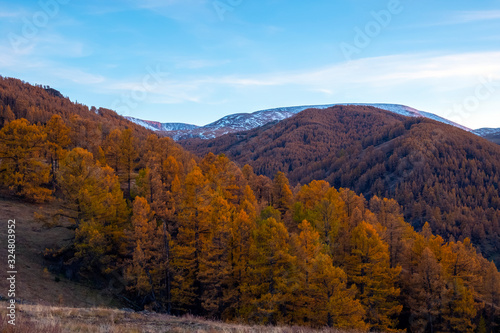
206,237
437,173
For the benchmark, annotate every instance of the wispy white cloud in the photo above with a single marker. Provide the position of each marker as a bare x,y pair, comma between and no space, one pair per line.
37,57
327,92
462,17
458,18
166,91
44,45
191,11
434,73
200,63
7,14
484,15
49,45
167,3
386,70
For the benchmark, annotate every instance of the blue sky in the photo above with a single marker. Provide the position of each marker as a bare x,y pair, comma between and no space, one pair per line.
195,61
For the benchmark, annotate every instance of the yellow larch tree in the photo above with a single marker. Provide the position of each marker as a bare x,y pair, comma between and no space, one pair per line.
215,264
22,169
193,214
241,242
322,297
112,149
368,267
58,141
128,155
92,194
272,274
145,271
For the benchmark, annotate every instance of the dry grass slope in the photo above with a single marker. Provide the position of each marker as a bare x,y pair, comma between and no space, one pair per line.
46,319
34,283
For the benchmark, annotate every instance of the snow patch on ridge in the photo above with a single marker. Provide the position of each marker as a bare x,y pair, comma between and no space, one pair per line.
486,131
157,126
246,121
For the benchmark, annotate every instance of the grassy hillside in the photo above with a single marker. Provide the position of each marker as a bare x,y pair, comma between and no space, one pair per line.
47,319
35,283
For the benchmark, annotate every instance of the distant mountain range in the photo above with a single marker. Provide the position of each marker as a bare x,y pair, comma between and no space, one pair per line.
492,134
247,121
438,173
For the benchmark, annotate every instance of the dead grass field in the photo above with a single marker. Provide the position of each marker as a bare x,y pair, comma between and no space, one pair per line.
35,284
46,319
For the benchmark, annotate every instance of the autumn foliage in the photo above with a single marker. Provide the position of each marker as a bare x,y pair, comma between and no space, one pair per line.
438,173
205,237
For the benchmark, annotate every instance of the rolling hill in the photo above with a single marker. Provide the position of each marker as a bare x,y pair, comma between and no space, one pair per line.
437,172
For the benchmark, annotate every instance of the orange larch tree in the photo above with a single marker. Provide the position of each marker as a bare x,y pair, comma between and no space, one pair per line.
368,267
57,142
193,215
146,269
92,195
22,169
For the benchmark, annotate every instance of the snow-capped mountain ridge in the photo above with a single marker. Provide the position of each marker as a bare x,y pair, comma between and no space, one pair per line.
157,126
486,131
247,121
492,134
